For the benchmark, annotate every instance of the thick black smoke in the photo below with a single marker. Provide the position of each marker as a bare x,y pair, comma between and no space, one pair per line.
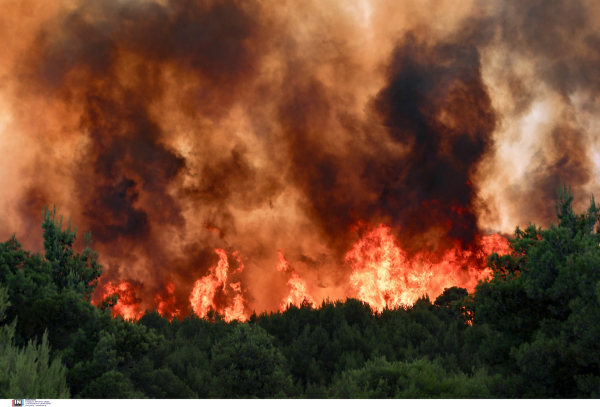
436,111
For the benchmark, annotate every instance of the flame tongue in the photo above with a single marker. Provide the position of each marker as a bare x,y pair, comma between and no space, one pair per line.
236,310
298,295
202,298
382,275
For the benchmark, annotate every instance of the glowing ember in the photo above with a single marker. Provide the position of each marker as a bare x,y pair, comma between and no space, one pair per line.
298,295
202,298
384,276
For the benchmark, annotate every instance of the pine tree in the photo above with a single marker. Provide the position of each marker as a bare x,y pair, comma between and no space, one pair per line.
70,271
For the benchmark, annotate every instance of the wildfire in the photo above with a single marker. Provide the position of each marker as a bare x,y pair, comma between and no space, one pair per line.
178,128
202,298
384,276
298,294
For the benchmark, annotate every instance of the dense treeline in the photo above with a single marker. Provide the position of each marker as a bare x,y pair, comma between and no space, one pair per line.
530,331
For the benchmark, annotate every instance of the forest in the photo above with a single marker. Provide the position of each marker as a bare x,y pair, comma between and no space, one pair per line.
530,331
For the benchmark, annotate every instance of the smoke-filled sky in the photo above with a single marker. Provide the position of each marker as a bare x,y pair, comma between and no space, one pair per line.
173,128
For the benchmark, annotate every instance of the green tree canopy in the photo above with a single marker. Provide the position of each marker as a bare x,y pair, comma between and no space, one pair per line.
543,308
27,372
418,379
70,270
245,364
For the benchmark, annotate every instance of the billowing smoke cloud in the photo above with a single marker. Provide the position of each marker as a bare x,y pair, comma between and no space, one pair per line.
542,69
174,128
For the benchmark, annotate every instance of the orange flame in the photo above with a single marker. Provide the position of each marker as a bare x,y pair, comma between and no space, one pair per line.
495,243
202,298
236,310
298,295
384,276
128,304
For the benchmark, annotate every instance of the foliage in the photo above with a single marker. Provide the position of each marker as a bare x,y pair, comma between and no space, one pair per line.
418,379
77,272
246,364
50,297
27,372
543,309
